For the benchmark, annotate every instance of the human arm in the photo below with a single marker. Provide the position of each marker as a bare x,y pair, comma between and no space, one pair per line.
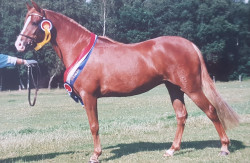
9,61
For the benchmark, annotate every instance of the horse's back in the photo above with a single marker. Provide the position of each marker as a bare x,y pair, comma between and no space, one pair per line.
128,69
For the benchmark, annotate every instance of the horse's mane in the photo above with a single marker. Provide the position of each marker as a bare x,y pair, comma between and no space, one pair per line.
103,38
67,18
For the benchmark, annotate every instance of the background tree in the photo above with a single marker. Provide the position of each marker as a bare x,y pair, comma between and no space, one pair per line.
220,28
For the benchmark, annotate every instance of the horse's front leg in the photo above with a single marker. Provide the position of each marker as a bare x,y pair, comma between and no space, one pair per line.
91,109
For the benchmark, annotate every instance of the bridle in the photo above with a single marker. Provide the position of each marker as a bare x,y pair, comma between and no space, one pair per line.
44,25
29,37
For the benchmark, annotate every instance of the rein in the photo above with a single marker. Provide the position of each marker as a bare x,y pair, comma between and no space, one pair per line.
35,83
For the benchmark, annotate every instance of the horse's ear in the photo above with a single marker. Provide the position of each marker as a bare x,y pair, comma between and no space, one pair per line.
28,6
38,9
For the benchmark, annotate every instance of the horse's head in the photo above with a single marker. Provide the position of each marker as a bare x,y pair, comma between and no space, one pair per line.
36,30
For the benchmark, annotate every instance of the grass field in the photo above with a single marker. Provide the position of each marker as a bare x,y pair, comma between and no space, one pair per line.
132,129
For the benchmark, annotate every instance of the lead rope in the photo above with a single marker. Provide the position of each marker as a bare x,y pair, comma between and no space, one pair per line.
31,77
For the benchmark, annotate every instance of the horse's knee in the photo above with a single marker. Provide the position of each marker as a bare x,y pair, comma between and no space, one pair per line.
181,117
94,128
180,111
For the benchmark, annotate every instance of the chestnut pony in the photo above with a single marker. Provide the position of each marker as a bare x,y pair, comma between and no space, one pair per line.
117,69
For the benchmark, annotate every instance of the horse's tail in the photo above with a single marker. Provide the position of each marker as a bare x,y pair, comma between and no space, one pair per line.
227,116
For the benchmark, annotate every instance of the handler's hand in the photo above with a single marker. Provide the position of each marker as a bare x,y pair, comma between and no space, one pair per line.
30,62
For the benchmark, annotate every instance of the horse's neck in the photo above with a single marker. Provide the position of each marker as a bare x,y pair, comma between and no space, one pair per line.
70,38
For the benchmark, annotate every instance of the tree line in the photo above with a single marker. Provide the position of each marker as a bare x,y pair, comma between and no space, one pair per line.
220,28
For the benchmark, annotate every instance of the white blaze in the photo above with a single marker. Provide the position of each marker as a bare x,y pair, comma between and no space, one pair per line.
19,43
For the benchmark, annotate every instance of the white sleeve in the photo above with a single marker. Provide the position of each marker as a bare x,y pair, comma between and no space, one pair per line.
12,60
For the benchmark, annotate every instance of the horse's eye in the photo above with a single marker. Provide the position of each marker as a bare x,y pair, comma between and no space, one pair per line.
35,23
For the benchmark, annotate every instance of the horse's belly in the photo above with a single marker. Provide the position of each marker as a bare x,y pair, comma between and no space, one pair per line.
127,85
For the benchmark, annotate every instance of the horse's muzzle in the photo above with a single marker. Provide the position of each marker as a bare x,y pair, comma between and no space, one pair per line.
24,44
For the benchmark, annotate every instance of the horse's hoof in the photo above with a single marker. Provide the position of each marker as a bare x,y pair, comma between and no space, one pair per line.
223,153
94,162
169,153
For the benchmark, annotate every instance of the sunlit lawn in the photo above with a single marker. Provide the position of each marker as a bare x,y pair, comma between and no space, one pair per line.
132,129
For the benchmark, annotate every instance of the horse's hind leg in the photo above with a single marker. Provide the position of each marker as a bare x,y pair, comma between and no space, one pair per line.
177,98
202,102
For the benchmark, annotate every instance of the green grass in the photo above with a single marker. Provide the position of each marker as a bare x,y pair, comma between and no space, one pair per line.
132,129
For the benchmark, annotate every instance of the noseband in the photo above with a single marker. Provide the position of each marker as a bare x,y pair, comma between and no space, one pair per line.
32,38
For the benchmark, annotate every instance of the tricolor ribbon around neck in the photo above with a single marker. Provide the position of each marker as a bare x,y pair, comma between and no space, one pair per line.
74,70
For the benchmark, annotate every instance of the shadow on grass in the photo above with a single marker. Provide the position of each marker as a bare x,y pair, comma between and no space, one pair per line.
127,149
37,157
